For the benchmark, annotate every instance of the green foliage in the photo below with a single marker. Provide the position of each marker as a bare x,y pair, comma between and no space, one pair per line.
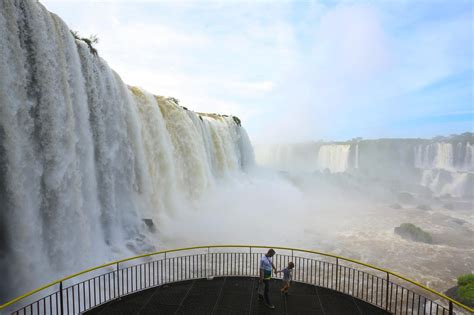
75,34
93,39
466,294
414,233
237,120
174,100
466,279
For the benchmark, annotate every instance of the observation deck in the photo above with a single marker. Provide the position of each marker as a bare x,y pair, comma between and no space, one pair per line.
222,279
236,295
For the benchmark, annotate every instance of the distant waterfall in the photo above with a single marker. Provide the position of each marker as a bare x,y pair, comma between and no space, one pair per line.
442,182
356,157
334,157
305,157
445,167
434,155
288,157
442,155
84,158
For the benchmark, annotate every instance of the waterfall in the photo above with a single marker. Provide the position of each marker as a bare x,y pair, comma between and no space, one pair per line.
442,182
434,155
356,161
443,155
288,157
305,157
468,160
446,167
85,158
334,157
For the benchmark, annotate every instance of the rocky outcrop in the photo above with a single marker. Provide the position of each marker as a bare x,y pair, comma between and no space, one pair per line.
411,232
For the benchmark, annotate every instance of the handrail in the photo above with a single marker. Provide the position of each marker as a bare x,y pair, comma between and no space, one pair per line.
3,306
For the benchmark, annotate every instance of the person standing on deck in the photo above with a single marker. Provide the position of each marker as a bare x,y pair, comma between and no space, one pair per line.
266,266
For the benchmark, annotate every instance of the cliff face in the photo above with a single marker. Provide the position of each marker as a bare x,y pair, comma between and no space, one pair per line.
85,158
445,165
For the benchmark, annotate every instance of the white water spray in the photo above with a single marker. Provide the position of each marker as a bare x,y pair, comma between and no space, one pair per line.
84,159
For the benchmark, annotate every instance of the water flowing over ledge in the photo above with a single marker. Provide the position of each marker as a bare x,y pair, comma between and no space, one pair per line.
444,166
88,164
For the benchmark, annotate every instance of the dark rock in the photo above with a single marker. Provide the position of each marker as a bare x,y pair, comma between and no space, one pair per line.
237,120
453,293
149,223
448,206
424,207
396,206
405,197
174,100
458,221
411,232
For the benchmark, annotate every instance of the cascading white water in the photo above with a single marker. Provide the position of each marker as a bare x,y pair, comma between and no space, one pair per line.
434,155
455,163
441,182
443,155
84,158
356,157
334,157
289,157
305,157
446,167
468,160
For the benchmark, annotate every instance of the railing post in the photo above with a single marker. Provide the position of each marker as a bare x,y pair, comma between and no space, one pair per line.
208,262
386,292
118,281
337,273
451,308
61,298
251,260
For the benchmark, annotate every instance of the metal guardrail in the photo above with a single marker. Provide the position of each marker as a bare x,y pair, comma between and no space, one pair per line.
380,287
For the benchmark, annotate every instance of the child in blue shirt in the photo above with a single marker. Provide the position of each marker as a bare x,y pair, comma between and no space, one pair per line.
287,277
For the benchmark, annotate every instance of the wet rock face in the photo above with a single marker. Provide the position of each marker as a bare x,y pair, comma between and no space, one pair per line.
411,232
424,207
405,197
463,292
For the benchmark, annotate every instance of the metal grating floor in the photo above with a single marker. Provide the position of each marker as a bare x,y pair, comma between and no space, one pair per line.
235,295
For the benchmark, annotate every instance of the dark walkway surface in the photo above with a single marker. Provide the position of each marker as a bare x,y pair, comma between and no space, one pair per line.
235,295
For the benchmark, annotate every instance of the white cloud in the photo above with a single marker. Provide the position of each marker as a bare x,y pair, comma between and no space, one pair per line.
351,44
290,71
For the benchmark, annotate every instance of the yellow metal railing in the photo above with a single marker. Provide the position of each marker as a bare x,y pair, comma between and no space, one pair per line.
116,263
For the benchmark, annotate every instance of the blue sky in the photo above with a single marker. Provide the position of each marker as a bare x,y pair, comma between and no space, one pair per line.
297,71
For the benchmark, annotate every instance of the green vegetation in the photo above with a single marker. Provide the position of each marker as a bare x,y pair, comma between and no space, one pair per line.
465,290
466,279
174,100
237,121
93,39
412,232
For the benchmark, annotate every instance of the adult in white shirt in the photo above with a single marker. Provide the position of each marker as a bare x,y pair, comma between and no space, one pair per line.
266,266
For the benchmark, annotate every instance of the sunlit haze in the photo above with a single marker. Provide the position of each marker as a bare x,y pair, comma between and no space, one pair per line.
343,127
296,71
